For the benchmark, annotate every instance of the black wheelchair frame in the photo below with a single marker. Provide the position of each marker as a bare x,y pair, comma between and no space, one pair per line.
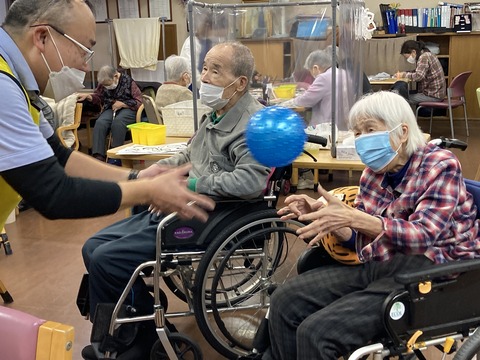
439,306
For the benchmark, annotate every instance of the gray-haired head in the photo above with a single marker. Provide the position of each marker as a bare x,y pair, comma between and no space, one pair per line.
176,66
392,110
320,58
242,59
106,73
24,13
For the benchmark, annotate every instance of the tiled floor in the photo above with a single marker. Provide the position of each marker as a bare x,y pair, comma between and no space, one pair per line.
45,270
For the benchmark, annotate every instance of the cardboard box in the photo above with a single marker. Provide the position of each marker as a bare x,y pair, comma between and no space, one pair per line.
347,152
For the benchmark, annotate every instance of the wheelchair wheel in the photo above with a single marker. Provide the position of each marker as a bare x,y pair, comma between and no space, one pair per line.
235,276
184,347
470,347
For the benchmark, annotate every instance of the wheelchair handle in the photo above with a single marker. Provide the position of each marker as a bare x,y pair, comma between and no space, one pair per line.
320,140
432,272
447,143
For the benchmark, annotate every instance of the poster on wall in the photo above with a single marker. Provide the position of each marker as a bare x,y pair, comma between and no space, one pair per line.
160,8
100,8
128,9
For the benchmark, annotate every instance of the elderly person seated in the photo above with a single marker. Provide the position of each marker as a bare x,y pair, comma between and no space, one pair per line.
412,211
119,97
221,166
179,77
318,95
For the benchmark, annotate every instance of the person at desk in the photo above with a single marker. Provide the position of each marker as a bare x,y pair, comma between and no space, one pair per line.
222,167
46,44
318,96
412,211
179,77
428,74
119,98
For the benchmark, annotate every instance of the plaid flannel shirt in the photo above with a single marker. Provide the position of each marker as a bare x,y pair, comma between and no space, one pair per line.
429,76
429,212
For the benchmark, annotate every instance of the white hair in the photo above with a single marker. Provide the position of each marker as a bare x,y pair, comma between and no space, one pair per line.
392,110
176,66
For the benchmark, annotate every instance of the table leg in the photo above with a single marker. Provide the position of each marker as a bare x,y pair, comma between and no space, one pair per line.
294,179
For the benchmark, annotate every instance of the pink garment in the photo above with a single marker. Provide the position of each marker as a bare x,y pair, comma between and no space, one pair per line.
318,96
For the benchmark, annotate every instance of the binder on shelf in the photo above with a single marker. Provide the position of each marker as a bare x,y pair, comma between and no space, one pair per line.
392,22
383,11
415,17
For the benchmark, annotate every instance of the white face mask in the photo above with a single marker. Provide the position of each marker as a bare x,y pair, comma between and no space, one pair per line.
63,83
111,87
211,95
411,59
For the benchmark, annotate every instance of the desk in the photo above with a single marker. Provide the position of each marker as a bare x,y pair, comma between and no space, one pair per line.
324,161
389,81
127,160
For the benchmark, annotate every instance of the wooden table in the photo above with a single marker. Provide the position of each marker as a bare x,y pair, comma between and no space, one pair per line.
127,160
324,161
390,82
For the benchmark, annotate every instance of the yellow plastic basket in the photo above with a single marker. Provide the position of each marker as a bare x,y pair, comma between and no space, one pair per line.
285,91
148,134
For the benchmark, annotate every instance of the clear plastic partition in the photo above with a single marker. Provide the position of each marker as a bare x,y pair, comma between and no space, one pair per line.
281,35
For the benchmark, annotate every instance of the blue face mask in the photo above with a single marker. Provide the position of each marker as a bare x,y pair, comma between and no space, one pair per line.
375,149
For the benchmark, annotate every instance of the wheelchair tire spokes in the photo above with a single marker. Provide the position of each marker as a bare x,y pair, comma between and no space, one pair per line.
234,277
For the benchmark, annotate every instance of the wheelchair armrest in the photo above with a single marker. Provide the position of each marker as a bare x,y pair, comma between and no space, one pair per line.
441,270
312,258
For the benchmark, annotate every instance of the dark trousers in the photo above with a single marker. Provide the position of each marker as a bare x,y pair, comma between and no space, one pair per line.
112,255
331,311
117,126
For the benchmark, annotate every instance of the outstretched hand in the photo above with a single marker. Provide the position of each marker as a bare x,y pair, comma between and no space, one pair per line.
297,205
172,195
334,216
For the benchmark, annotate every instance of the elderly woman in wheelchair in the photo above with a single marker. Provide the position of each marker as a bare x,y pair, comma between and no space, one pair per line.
412,211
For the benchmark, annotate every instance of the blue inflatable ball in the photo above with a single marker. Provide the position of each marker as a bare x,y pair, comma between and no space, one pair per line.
275,136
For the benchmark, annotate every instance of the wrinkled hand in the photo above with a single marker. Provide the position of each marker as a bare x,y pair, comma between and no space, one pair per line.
332,217
171,195
297,205
153,170
82,97
117,105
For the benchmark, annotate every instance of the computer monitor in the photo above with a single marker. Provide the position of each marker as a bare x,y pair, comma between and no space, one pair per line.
312,28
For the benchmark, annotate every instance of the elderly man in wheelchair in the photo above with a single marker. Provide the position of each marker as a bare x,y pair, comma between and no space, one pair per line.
412,212
222,166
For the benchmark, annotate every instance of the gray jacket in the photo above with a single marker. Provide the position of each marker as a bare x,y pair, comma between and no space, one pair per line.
221,161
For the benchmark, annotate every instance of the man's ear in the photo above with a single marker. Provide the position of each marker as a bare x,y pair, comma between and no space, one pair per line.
39,37
242,84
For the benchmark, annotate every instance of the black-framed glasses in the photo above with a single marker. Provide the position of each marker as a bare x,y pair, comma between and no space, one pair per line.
88,53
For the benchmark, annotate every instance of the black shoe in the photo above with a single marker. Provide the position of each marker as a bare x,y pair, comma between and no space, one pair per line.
23,205
88,353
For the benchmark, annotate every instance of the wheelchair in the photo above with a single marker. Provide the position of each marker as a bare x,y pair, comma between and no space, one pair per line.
438,307
224,270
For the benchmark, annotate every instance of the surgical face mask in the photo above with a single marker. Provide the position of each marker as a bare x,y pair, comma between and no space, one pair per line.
411,59
112,86
64,82
212,95
375,149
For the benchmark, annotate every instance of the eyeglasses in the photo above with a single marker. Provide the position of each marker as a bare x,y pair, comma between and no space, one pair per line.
88,53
